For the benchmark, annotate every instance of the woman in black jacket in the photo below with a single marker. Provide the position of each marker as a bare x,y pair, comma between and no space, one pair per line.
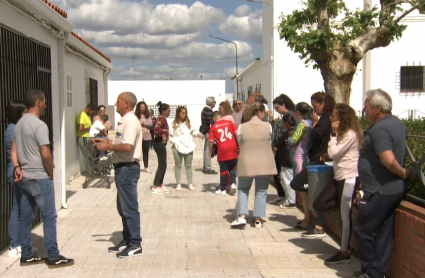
323,105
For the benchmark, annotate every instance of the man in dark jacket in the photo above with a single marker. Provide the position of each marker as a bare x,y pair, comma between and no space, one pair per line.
206,122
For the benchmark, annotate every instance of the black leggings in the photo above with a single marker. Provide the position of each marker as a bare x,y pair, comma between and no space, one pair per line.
146,145
161,152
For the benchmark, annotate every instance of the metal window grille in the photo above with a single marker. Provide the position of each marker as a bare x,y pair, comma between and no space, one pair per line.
24,64
172,112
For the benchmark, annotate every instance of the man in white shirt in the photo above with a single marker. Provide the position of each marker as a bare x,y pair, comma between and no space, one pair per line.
127,153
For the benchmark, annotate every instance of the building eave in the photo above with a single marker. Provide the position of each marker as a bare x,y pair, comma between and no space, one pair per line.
84,48
257,60
47,13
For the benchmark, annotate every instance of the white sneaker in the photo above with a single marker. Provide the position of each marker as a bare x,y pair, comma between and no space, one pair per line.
179,187
233,188
157,191
238,222
276,200
165,190
14,252
258,225
192,187
219,192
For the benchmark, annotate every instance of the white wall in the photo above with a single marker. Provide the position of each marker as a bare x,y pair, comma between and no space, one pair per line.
79,71
173,92
251,77
14,20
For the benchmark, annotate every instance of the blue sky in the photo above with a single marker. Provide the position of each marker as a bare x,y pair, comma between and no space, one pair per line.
166,36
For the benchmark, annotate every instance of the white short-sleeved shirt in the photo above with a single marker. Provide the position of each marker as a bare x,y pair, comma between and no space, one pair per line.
96,128
129,131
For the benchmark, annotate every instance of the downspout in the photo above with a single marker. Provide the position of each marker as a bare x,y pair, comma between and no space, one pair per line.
105,86
63,104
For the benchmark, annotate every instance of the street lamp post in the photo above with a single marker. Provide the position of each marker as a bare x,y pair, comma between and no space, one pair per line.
271,45
237,71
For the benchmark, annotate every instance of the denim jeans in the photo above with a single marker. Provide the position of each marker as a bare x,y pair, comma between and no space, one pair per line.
126,178
14,214
207,159
261,185
39,193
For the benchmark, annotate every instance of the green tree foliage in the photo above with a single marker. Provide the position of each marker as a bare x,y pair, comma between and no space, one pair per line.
334,39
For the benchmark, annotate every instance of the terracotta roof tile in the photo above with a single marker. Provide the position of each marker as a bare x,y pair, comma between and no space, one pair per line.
56,8
65,15
91,46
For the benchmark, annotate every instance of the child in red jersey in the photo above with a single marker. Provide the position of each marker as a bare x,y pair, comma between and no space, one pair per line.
224,133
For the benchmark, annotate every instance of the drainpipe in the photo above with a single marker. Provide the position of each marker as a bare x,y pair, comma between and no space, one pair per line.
105,86
63,104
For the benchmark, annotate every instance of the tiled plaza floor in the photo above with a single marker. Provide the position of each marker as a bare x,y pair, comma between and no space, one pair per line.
185,234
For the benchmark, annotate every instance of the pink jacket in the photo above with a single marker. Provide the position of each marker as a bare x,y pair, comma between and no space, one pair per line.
345,154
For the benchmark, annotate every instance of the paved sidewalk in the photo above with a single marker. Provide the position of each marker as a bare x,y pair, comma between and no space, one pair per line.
185,234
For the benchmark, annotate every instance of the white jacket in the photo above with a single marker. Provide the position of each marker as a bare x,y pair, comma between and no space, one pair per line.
182,138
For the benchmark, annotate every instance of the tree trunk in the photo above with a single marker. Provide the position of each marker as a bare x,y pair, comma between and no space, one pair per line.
338,75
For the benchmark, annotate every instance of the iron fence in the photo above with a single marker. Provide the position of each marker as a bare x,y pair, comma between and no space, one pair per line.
24,64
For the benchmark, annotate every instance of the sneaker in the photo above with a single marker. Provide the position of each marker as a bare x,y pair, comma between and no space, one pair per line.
179,187
286,204
276,200
59,262
192,187
164,189
147,170
34,259
238,222
157,191
14,252
219,192
314,233
119,247
339,258
130,251
258,225
233,188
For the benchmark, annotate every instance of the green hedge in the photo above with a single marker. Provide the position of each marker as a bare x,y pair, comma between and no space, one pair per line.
417,145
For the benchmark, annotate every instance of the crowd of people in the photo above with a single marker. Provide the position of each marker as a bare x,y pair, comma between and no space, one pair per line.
250,144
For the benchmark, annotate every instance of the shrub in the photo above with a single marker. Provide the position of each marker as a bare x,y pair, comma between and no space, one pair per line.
416,143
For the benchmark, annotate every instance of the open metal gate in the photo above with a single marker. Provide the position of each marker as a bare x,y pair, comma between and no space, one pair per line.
24,64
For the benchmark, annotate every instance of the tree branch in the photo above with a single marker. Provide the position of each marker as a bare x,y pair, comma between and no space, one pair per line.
394,4
322,15
405,13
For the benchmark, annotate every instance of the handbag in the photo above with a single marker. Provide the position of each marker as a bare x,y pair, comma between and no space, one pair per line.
203,129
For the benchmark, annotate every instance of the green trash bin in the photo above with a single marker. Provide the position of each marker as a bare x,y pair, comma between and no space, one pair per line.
319,177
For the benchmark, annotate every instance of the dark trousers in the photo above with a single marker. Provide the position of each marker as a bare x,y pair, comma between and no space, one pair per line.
227,168
146,145
276,179
153,136
126,178
161,152
373,231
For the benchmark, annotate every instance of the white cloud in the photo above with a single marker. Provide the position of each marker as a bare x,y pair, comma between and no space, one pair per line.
242,11
195,52
244,26
141,40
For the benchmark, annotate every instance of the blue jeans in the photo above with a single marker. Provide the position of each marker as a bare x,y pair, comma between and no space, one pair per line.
39,193
261,185
126,178
14,215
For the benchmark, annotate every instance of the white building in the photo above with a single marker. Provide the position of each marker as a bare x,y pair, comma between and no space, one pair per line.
189,93
281,71
40,51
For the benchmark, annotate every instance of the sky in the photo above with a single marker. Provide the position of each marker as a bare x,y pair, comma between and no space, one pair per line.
166,36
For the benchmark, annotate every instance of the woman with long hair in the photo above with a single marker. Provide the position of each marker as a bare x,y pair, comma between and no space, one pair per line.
145,119
283,105
343,148
254,139
323,105
181,138
226,111
161,132
299,144
14,111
